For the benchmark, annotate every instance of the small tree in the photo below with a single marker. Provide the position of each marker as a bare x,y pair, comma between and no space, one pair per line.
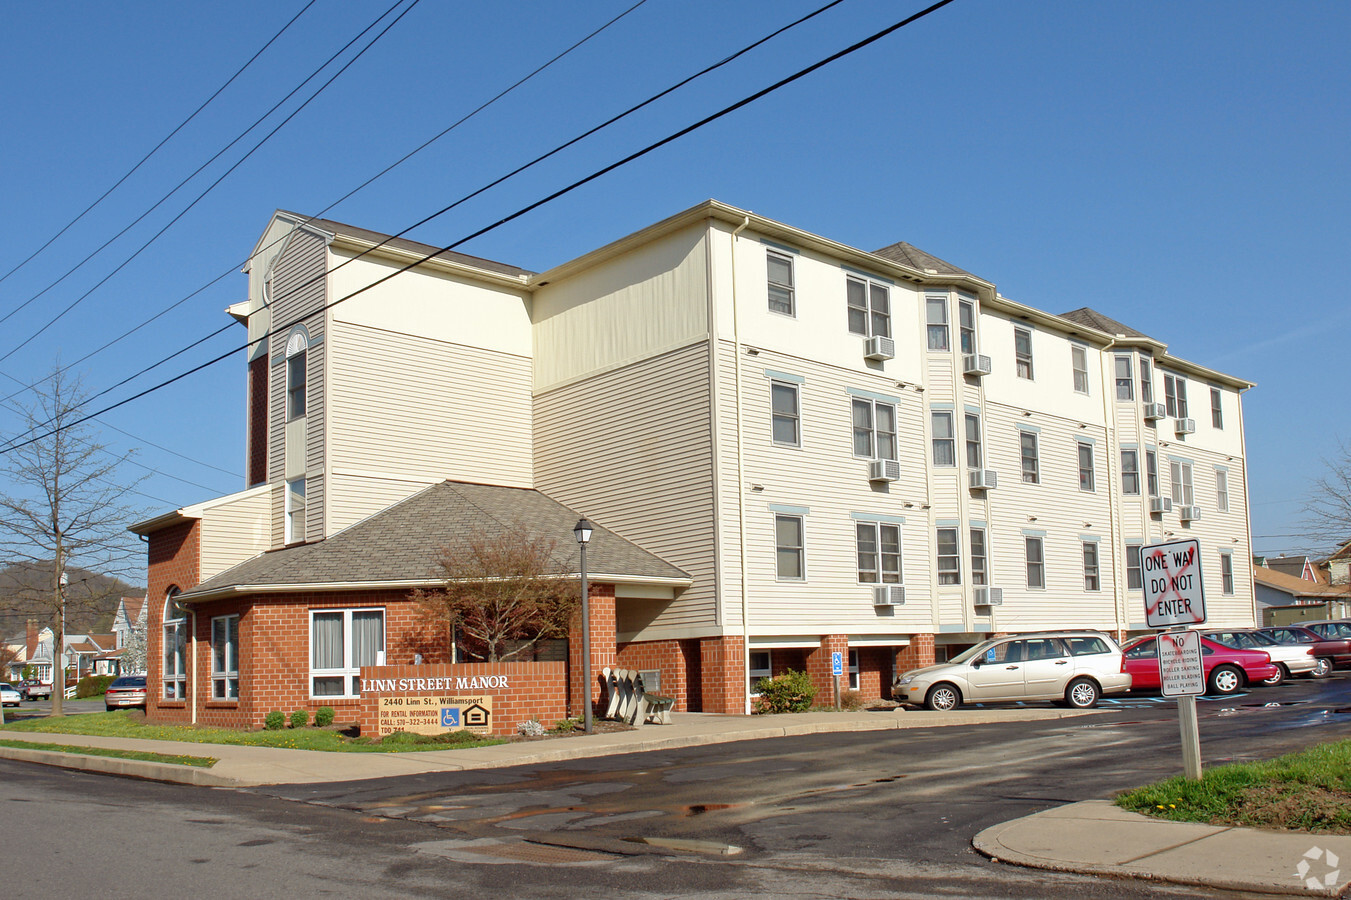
502,594
1327,507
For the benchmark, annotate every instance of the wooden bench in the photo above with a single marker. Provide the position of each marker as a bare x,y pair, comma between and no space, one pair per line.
630,702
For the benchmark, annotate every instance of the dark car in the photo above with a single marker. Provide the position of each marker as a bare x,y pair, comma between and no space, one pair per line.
1227,669
1331,652
125,691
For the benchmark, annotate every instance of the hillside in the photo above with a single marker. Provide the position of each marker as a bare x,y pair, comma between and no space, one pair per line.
91,598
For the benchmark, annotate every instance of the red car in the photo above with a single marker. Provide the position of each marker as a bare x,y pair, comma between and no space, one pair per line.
1331,651
1227,669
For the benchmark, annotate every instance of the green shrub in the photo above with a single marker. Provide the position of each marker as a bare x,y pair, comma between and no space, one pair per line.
300,718
789,692
275,720
565,726
323,716
93,686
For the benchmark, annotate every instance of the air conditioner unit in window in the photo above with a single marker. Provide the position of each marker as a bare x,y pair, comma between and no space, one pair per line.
1189,513
989,596
889,595
975,364
884,470
1186,426
982,479
1155,411
1160,504
879,348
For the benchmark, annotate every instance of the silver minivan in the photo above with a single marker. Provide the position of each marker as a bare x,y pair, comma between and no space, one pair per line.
1077,667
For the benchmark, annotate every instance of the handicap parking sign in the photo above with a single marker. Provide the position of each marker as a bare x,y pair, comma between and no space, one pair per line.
450,717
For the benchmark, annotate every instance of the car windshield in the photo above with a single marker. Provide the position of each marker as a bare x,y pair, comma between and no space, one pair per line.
6,687
129,681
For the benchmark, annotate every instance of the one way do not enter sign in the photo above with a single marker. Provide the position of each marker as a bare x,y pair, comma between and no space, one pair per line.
1172,582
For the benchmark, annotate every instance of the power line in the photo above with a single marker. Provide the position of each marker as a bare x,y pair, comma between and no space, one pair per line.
727,110
156,148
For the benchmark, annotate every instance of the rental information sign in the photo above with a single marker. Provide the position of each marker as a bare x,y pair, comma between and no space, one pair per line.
1172,583
1180,671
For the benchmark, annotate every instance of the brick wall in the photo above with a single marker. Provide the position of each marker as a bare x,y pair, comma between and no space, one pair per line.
257,422
601,600
919,653
818,667
673,660
723,663
535,690
174,561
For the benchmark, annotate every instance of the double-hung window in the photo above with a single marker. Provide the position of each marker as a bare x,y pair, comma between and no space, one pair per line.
760,667
975,454
780,277
949,557
1134,572
1146,380
1226,572
297,346
1085,466
869,307
1079,365
874,429
936,318
1022,351
1175,395
979,558
1216,408
966,324
1130,471
879,553
785,413
175,674
1031,458
789,561
1036,561
341,642
225,658
944,441
295,511
1181,472
1222,490
1152,472
1125,385
1092,580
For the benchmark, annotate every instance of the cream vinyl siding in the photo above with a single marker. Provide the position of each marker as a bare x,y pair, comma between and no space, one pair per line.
630,308
405,407
630,448
234,529
356,496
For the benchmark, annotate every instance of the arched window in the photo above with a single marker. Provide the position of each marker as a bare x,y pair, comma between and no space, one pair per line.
175,647
297,346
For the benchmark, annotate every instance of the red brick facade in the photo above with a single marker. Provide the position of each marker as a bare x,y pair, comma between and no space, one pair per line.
602,608
257,423
534,690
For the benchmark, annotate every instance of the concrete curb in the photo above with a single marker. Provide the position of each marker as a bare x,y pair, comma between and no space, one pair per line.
113,765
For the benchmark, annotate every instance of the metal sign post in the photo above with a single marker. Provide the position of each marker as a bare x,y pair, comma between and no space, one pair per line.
1174,600
836,670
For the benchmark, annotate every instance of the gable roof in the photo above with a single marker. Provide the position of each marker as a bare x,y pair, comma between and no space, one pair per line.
395,548
1296,566
1299,587
1091,318
910,255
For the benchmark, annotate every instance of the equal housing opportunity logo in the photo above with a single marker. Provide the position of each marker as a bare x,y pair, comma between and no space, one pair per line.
1318,860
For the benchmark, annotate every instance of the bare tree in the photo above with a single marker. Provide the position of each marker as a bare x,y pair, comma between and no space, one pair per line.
502,594
64,506
1327,507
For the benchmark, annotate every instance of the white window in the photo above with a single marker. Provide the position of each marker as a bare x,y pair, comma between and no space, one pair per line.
853,670
975,454
1182,482
1079,363
780,282
949,557
788,548
1226,572
966,322
297,346
1036,561
175,675
295,511
225,658
1130,472
341,642
785,413
979,557
1222,490
1085,466
879,553
1031,459
760,667
936,317
869,307
1125,385
874,429
944,441
1146,380
1152,472
1092,581
1022,351
1175,395
1216,408
1134,572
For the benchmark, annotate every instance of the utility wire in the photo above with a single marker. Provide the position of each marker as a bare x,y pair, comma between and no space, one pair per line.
156,148
783,82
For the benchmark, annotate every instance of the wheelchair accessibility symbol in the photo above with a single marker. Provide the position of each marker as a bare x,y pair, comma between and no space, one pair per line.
450,717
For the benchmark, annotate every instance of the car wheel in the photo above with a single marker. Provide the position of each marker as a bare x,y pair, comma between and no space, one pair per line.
943,697
1225,680
1082,693
1281,674
1322,669
107,707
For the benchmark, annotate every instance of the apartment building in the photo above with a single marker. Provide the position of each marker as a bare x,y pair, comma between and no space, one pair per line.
797,448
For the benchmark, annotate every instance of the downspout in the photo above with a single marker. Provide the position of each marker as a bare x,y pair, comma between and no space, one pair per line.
192,691
1114,528
741,475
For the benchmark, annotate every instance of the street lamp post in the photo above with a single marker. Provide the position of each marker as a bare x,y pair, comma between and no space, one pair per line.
582,531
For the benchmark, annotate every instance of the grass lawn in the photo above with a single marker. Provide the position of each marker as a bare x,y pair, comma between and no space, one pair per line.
1305,791
120,723
204,762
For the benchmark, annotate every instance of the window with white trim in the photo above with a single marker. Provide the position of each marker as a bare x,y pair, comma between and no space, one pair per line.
295,511
1181,472
788,548
780,278
936,320
1125,384
879,553
1146,380
1036,561
975,451
1175,395
853,670
760,666
1216,409
297,346
341,642
944,441
175,673
1152,472
874,425
1226,572
869,307
225,658
785,412
1085,466
949,557
1222,490
979,558
1022,352
1130,471
1079,366
1092,579
966,324
1030,456
1135,573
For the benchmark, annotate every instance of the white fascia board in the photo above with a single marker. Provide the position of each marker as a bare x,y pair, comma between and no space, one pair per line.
403,257
235,590
195,511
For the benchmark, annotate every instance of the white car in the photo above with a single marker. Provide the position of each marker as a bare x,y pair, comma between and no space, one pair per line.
8,695
1290,659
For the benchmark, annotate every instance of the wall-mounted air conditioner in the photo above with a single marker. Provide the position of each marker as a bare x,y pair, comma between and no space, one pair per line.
1189,513
889,595
975,364
884,470
1160,504
982,479
1186,426
879,348
1155,411
988,596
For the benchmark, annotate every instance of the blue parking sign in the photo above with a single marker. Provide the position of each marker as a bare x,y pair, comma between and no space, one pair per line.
837,663
450,717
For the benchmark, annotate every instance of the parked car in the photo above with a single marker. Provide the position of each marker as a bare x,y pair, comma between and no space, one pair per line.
1290,659
1330,629
1330,652
1076,667
9,695
1227,670
35,690
125,691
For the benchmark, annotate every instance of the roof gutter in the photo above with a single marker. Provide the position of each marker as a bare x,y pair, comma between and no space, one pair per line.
235,590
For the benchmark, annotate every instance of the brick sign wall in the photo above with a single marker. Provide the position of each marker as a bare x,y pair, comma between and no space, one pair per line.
489,698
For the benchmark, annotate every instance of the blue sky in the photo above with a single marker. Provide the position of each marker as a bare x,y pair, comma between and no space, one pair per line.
1180,167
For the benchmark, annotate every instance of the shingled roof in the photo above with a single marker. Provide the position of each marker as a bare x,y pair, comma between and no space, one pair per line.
1093,319
396,546
915,258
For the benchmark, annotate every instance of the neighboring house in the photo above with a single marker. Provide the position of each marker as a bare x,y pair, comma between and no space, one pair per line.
77,657
1295,566
129,619
790,446
1336,569
1279,593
